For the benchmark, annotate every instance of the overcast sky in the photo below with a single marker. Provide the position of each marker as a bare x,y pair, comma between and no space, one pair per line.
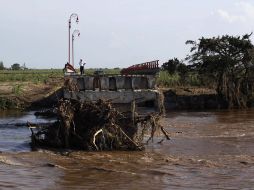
114,33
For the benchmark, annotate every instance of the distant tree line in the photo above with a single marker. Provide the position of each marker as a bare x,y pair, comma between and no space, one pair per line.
224,62
15,66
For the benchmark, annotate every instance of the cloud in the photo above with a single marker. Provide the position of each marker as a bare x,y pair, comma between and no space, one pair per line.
240,12
230,17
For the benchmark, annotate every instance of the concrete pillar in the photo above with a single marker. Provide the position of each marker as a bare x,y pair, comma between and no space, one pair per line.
112,84
136,81
128,85
97,83
151,81
104,83
88,83
143,83
81,83
120,82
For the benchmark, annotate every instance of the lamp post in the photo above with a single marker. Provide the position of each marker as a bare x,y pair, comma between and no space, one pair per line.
74,16
75,32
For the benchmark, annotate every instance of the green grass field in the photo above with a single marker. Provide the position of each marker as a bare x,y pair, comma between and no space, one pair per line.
29,75
42,75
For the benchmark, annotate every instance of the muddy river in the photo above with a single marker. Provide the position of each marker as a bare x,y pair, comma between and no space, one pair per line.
207,150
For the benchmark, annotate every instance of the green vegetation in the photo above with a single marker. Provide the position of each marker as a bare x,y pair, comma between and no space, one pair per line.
115,71
42,75
17,89
15,66
174,80
6,103
176,73
167,80
227,63
223,63
1,65
35,76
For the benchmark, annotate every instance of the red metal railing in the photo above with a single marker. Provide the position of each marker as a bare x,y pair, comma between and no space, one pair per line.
152,65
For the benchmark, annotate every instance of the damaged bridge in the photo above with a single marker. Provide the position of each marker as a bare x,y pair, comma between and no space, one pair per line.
120,89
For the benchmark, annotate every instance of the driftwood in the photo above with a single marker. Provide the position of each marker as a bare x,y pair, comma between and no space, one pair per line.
97,126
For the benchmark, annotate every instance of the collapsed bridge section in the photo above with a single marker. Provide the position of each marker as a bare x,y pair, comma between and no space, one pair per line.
119,89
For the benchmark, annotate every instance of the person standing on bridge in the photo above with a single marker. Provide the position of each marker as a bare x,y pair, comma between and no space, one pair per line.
81,64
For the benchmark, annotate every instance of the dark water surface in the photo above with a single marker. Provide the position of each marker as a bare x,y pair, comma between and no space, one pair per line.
208,150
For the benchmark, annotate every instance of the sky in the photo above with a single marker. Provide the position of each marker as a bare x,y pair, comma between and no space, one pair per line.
114,33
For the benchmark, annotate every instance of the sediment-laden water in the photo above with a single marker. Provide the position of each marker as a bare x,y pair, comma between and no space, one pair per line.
208,150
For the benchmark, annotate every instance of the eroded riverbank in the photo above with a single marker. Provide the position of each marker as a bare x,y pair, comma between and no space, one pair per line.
30,96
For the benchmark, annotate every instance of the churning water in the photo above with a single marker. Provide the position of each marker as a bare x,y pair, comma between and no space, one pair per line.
208,150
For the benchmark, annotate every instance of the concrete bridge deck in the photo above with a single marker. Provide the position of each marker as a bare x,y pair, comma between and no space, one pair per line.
120,89
114,82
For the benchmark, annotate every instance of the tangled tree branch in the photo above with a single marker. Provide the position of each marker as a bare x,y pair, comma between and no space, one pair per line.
97,126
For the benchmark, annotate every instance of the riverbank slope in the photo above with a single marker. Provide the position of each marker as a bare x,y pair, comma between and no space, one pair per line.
31,95
22,95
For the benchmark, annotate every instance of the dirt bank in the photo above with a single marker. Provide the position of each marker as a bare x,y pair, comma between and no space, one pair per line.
192,99
23,95
45,95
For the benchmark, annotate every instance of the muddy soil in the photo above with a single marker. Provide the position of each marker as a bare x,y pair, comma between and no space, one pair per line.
192,98
29,94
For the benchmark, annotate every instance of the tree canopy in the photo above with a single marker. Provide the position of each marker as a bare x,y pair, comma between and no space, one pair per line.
227,62
174,66
15,66
171,66
1,65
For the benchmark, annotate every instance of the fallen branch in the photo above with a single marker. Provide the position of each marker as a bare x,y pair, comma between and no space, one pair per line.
94,138
79,125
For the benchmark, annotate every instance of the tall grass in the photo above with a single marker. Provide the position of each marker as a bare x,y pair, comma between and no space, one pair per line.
167,80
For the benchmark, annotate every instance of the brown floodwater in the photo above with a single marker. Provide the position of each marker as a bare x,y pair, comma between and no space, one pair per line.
207,150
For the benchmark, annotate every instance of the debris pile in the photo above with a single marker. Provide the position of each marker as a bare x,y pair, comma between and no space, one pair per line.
97,126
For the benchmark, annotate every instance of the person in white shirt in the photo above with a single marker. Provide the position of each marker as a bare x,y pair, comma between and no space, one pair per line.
81,64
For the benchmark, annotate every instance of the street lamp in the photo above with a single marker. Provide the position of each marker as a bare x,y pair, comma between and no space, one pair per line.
75,33
73,16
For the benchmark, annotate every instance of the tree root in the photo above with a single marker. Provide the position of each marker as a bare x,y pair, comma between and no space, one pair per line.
97,126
